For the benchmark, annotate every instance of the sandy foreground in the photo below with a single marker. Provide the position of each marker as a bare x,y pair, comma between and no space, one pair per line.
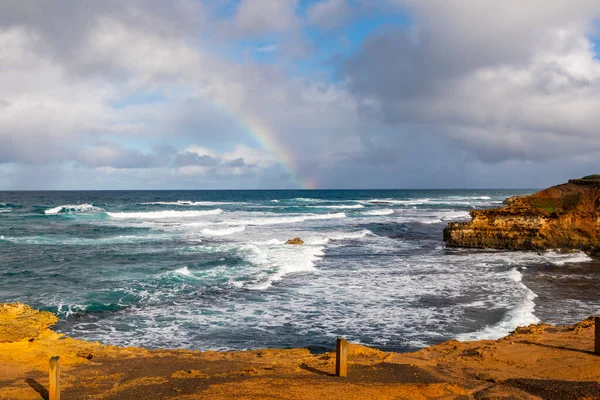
535,362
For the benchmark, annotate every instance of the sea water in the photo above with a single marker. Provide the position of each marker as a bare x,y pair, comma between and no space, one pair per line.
211,270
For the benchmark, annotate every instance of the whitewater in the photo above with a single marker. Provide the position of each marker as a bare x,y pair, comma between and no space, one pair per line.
211,269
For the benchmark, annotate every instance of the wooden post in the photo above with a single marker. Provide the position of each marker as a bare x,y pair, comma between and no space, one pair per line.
597,335
54,387
341,359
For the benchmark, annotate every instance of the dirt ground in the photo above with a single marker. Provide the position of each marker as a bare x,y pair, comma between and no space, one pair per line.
535,362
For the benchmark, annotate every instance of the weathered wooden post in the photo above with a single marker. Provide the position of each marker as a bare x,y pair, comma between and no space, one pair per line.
597,335
54,387
341,359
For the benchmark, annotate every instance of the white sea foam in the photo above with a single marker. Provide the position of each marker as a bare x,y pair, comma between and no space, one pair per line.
307,199
415,202
70,309
430,217
179,273
274,201
76,241
558,258
385,211
277,261
190,203
184,272
208,276
464,201
521,315
348,206
467,198
283,220
163,214
5,210
525,257
338,236
314,200
72,208
224,231
392,201
451,215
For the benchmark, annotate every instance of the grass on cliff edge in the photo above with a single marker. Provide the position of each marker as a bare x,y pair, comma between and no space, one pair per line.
586,180
550,205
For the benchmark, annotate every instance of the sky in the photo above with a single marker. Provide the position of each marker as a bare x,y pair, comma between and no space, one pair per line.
298,94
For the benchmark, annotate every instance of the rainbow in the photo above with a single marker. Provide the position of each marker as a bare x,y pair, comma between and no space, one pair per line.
267,138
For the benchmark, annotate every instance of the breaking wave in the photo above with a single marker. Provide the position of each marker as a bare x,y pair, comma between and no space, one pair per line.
521,315
163,214
190,203
72,208
385,211
224,231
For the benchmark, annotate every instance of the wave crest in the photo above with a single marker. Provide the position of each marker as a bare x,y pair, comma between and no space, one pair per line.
72,208
224,231
385,211
163,214
189,203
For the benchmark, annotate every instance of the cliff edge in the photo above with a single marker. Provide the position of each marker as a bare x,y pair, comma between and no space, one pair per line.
564,217
538,361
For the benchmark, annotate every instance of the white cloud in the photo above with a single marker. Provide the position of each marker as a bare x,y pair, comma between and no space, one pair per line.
43,105
329,14
256,17
504,81
144,57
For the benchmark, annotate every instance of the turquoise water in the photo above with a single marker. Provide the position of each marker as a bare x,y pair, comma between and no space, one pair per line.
211,270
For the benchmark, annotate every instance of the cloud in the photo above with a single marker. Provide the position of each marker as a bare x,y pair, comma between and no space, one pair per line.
522,86
107,154
160,94
42,105
257,17
328,14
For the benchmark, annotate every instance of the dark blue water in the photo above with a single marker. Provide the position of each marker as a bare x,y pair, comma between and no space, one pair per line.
211,270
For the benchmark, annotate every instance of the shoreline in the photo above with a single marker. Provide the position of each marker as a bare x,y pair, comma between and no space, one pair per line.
539,361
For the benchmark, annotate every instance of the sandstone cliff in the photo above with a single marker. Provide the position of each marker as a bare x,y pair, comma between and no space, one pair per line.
564,217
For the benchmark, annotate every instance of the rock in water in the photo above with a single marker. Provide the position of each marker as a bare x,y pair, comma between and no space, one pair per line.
564,217
295,241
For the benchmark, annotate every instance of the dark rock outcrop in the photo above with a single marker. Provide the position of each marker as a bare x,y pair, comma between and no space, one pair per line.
563,217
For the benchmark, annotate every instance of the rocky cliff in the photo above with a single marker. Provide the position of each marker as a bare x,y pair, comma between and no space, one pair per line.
564,217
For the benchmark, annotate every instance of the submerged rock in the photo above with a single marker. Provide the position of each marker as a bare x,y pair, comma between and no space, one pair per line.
295,241
564,217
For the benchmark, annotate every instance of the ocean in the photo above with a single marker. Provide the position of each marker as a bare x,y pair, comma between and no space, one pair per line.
211,270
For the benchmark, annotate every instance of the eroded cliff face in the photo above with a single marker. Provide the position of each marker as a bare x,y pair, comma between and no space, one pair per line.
564,217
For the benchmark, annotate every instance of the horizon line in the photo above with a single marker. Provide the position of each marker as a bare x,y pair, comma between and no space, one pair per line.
264,190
